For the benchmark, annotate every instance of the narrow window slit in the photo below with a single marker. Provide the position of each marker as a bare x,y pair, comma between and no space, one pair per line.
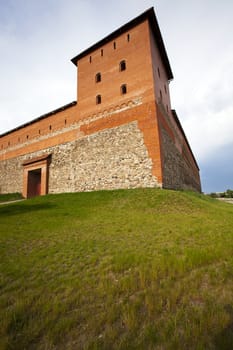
98,99
123,89
98,77
122,66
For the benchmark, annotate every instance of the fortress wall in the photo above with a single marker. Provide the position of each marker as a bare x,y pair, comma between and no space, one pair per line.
39,128
11,176
178,165
109,159
177,174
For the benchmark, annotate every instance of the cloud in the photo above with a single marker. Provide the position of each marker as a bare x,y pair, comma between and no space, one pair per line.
217,170
37,41
209,114
202,90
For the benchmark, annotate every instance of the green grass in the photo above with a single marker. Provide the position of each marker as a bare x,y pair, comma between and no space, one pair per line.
128,269
10,197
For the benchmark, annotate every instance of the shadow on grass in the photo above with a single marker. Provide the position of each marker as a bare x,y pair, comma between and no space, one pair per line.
224,340
19,208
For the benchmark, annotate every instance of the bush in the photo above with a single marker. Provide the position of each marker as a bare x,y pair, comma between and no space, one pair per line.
229,193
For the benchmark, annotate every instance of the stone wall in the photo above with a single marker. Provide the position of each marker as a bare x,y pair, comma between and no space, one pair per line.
11,175
109,159
177,173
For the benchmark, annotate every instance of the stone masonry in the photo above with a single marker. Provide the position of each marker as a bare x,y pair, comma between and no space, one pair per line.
111,159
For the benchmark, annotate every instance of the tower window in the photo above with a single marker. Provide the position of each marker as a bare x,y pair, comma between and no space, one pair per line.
65,121
123,89
90,59
98,99
98,77
50,127
39,131
122,65
114,45
102,52
158,72
128,37
160,94
27,137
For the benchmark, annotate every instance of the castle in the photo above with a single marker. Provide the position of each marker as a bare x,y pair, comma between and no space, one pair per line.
121,132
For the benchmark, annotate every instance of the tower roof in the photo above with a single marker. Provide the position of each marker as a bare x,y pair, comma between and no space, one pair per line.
148,14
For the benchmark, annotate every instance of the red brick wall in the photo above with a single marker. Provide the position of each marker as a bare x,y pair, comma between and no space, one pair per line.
161,83
37,129
137,76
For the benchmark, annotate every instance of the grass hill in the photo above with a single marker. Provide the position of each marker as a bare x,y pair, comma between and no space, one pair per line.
127,269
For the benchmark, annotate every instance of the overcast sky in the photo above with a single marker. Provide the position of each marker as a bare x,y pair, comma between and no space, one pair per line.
39,37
